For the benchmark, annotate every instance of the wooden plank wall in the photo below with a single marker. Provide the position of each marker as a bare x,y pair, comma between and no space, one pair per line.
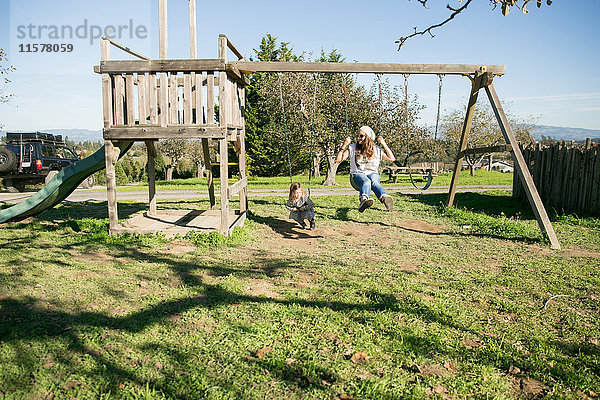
188,99
567,176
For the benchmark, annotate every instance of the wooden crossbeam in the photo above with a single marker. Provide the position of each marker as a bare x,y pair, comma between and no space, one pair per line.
148,132
125,48
489,149
249,67
236,187
232,48
142,66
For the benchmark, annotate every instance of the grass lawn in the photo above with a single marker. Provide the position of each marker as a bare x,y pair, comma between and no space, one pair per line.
282,182
422,302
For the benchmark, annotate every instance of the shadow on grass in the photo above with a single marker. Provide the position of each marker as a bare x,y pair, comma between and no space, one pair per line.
490,203
30,318
287,229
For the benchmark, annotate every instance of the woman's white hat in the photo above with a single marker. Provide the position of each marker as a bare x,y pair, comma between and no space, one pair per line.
368,131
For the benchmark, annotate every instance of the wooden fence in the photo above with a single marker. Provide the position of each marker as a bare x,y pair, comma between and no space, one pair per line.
566,175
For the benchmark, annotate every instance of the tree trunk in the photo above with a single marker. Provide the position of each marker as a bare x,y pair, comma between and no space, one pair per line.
199,169
490,161
332,167
169,173
317,165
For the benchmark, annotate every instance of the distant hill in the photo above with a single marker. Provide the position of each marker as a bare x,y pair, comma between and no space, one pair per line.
554,132
565,133
77,135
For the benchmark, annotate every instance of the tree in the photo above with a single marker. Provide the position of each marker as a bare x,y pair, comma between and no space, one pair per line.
175,150
197,157
395,117
485,131
342,107
504,6
265,146
4,70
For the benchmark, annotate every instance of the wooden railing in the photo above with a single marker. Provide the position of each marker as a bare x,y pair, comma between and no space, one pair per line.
151,99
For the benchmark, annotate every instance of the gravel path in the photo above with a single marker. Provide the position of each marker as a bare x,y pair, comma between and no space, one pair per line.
142,195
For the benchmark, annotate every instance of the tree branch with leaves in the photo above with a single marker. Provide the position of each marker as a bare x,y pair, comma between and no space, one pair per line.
504,5
4,70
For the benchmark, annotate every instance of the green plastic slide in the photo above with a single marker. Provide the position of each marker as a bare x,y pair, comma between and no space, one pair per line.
60,187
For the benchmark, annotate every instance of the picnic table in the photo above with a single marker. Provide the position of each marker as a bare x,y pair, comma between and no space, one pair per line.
393,171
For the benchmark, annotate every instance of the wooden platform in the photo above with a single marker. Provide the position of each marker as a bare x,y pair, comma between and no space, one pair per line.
179,222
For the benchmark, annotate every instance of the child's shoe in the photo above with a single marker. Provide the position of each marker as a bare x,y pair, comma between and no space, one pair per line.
365,203
312,224
388,202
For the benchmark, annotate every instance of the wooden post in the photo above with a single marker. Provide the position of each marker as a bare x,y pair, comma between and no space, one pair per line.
109,149
163,55
521,167
464,139
107,96
193,48
242,151
210,116
162,27
151,177
111,155
223,161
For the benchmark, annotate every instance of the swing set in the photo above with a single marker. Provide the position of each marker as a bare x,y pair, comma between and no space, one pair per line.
148,100
480,76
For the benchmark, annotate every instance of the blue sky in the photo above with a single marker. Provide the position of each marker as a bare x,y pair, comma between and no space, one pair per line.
551,54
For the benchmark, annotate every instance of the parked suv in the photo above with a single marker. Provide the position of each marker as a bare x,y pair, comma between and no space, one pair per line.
33,158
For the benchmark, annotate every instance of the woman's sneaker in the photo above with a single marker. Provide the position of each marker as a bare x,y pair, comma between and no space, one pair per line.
388,202
366,203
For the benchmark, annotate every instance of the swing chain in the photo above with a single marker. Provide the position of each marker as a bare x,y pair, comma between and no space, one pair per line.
287,142
311,168
437,119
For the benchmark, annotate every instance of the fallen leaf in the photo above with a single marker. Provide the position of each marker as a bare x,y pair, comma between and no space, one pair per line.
71,384
471,343
48,396
360,357
450,366
362,377
434,370
345,396
143,284
290,361
514,370
261,353
181,372
49,364
532,386
158,365
438,389
380,372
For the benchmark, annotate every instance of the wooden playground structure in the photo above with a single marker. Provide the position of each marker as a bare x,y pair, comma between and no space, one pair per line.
147,100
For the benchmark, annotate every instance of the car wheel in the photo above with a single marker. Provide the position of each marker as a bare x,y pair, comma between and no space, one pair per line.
50,175
88,183
14,185
8,160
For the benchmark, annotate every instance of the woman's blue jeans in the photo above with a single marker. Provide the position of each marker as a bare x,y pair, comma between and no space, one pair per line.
365,182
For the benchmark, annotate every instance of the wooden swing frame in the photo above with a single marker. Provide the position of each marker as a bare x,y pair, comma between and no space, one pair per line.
118,98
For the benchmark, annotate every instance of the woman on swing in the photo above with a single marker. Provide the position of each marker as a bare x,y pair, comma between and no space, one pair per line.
365,157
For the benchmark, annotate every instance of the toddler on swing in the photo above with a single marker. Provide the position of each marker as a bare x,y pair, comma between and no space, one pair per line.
301,206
